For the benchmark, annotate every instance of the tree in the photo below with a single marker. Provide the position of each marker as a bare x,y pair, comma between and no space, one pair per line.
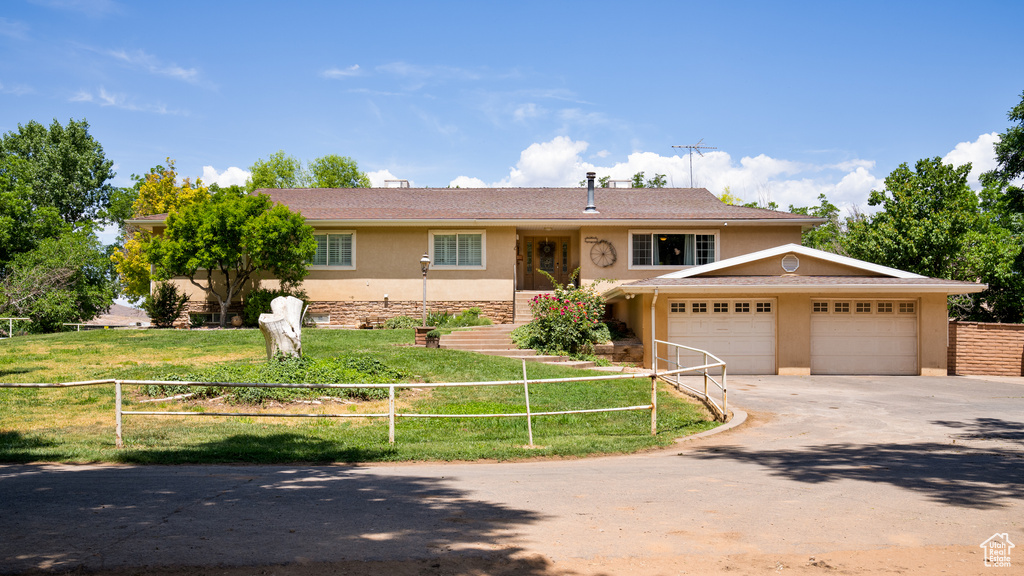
924,223
63,279
220,243
333,171
828,236
657,182
278,171
729,198
156,193
64,167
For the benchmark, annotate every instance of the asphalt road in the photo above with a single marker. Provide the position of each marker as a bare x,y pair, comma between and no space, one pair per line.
822,464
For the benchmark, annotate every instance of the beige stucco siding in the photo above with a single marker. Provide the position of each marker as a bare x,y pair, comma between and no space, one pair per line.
808,267
387,262
732,241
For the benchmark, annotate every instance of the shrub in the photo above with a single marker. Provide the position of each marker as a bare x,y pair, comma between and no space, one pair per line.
469,317
164,305
258,302
341,369
401,322
568,321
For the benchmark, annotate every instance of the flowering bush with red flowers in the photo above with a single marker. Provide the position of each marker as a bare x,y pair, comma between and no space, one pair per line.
566,321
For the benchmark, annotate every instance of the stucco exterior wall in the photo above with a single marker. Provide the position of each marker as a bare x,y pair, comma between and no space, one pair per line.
732,241
808,267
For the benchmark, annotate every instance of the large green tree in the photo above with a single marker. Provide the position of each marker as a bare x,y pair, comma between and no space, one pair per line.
54,193
828,236
924,223
221,243
65,168
281,170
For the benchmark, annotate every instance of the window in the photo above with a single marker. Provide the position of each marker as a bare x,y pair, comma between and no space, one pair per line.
741,307
841,307
457,249
667,249
764,306
864,307
699,307
906,307
679,307
821,306
721,306
885,307
334,249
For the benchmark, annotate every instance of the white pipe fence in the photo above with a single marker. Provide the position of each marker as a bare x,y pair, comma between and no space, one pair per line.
392,414
674,377
10,325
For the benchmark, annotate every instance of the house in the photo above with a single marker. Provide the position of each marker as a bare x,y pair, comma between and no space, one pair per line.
667,253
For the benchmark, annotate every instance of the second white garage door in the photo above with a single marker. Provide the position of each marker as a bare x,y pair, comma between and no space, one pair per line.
739,331
863,337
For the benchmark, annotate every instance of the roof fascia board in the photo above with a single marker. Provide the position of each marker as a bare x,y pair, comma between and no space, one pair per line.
704,222
791,248
824,290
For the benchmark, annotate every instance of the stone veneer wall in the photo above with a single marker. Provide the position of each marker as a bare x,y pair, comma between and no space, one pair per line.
352,313
985,349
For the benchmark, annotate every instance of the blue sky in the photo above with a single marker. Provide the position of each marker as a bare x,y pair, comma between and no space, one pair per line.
799,98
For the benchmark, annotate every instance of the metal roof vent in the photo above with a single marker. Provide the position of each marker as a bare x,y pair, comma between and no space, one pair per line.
591,208
790,263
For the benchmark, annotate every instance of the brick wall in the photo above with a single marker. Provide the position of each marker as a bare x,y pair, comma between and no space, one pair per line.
352,313
985,349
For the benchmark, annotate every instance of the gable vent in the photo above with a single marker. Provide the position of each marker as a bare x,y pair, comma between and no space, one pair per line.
790,263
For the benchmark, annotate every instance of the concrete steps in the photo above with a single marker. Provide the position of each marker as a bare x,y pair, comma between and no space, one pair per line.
496,340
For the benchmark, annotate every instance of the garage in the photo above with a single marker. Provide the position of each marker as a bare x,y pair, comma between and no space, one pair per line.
739,331
864,336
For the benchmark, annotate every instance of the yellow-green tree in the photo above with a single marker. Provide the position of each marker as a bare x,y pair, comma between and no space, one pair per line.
157,193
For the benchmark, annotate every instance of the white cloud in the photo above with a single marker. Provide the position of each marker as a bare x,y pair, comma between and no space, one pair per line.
378,177
980,153
761,178
151,64
528,110
467,182
122,101
352,70
17,89
233,176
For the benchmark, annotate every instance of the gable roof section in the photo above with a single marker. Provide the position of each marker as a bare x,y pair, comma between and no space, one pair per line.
701,279
509,206
707,269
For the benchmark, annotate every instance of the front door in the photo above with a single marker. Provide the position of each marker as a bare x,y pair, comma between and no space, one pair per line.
549,254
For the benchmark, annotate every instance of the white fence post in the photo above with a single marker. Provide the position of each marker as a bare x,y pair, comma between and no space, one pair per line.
391,414
654,405
118,438
529,416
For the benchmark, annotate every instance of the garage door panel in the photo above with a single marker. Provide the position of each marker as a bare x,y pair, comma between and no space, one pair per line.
745,340
861,342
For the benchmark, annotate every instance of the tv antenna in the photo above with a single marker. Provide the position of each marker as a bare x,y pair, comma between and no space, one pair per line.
696,147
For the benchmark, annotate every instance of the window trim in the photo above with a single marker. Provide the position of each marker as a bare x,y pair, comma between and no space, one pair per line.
335,266
483,249
652,231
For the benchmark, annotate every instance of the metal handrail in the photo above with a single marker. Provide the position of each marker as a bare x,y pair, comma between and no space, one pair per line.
722,409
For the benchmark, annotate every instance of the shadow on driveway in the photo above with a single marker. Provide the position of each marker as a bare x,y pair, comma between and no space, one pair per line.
970,476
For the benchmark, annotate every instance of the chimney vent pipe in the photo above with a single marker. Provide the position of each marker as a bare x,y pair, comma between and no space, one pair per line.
591,208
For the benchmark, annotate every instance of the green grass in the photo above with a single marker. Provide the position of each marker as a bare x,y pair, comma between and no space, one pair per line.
77,425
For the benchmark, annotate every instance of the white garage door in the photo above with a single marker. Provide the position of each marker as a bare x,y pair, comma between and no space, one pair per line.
739,331
863,337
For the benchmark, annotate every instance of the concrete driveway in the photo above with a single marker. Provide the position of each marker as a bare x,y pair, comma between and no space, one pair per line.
823,464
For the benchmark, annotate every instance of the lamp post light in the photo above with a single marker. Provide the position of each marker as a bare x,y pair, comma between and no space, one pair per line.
424,265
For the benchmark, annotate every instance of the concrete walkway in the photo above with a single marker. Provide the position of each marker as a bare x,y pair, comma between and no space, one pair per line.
822,464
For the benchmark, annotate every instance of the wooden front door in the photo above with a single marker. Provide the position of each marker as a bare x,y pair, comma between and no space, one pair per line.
549,254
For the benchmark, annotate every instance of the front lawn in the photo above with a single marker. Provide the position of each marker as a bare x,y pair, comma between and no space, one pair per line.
77,424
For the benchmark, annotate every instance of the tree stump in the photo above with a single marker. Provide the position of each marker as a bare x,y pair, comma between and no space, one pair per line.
282,328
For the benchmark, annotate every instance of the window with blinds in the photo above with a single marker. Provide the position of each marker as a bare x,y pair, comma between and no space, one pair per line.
458,249
333,249
664,249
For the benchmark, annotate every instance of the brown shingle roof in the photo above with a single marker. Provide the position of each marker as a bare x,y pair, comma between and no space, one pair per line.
515,203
